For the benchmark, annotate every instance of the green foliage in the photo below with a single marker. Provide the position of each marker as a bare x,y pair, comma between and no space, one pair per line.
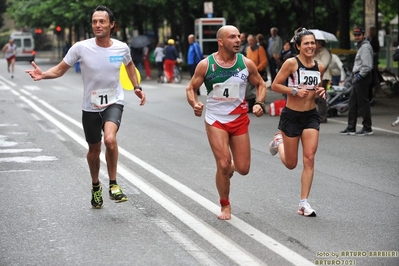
255,16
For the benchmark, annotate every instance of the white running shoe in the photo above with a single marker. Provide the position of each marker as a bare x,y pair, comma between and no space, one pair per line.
273,146
305,209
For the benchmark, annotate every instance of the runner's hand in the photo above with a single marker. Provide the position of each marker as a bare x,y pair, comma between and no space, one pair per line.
257,110
198,107
141,95
321,92
36,73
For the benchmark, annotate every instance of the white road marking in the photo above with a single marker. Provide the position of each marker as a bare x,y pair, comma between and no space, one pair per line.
8,125
224,244
193,249
16,171
7,81
5,143
19,150
32,88
360,125
26,159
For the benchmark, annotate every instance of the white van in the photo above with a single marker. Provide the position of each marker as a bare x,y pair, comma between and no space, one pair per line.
25,45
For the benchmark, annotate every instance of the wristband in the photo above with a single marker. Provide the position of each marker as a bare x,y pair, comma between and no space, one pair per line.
262,105
138,88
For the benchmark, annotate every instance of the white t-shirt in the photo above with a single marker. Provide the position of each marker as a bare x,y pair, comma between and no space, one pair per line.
11,50
100,72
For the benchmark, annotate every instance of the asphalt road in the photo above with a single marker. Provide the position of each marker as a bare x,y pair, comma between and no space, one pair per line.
167,170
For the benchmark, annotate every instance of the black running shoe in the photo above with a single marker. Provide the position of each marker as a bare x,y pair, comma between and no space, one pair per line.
97,198
116,193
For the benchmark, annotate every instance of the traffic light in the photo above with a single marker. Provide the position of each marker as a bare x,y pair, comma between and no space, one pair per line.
38,31
58,30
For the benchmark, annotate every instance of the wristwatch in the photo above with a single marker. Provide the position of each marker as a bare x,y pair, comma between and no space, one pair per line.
138,88
294,91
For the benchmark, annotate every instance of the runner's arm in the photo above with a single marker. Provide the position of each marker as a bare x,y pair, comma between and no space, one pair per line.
52,73
195,83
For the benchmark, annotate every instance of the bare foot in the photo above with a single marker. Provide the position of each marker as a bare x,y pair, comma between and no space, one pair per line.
226,213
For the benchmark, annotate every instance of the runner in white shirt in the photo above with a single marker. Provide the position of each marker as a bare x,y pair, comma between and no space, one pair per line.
10,50
100,61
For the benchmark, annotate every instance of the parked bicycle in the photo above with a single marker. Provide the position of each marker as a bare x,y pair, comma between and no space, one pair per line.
177,73
389,83
396,122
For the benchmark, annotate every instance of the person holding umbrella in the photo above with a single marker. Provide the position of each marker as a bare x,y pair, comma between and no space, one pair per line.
324,56
137,45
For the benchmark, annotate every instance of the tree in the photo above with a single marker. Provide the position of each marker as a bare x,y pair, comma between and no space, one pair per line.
148,16
3,7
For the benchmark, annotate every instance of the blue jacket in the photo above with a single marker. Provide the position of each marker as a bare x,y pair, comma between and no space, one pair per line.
170,52
194,55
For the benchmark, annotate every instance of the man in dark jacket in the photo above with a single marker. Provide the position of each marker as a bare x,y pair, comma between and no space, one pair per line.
362,77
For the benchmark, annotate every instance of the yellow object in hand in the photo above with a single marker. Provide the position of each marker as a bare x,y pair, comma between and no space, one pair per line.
124,78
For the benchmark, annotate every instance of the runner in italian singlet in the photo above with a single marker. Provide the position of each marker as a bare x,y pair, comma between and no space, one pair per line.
225,90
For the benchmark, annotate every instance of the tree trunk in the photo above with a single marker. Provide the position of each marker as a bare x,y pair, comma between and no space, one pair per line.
344,24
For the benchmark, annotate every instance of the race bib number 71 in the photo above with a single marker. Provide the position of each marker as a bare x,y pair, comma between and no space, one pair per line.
103,98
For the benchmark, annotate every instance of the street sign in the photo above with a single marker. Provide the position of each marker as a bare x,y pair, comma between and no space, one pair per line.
208,7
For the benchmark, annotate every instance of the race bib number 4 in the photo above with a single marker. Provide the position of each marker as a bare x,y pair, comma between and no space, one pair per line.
228,92
309,79
103,98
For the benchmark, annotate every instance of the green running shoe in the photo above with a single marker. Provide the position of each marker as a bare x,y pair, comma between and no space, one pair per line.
116,193
97,198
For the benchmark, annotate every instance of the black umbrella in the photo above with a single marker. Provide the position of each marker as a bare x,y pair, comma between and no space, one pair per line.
140,41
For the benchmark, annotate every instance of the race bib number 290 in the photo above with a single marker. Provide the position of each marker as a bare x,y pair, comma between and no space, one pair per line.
309,79
226,92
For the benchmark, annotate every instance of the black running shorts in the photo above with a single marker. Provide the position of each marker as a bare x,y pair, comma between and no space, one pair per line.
292,123
93,122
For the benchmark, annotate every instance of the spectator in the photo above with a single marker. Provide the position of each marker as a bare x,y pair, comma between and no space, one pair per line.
395,56
137,57
65,48
194,56
171,56
146,60
362,77
337,70
323,55
243,44
159,56
257,54
274,47
261,42
285,53
375,44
